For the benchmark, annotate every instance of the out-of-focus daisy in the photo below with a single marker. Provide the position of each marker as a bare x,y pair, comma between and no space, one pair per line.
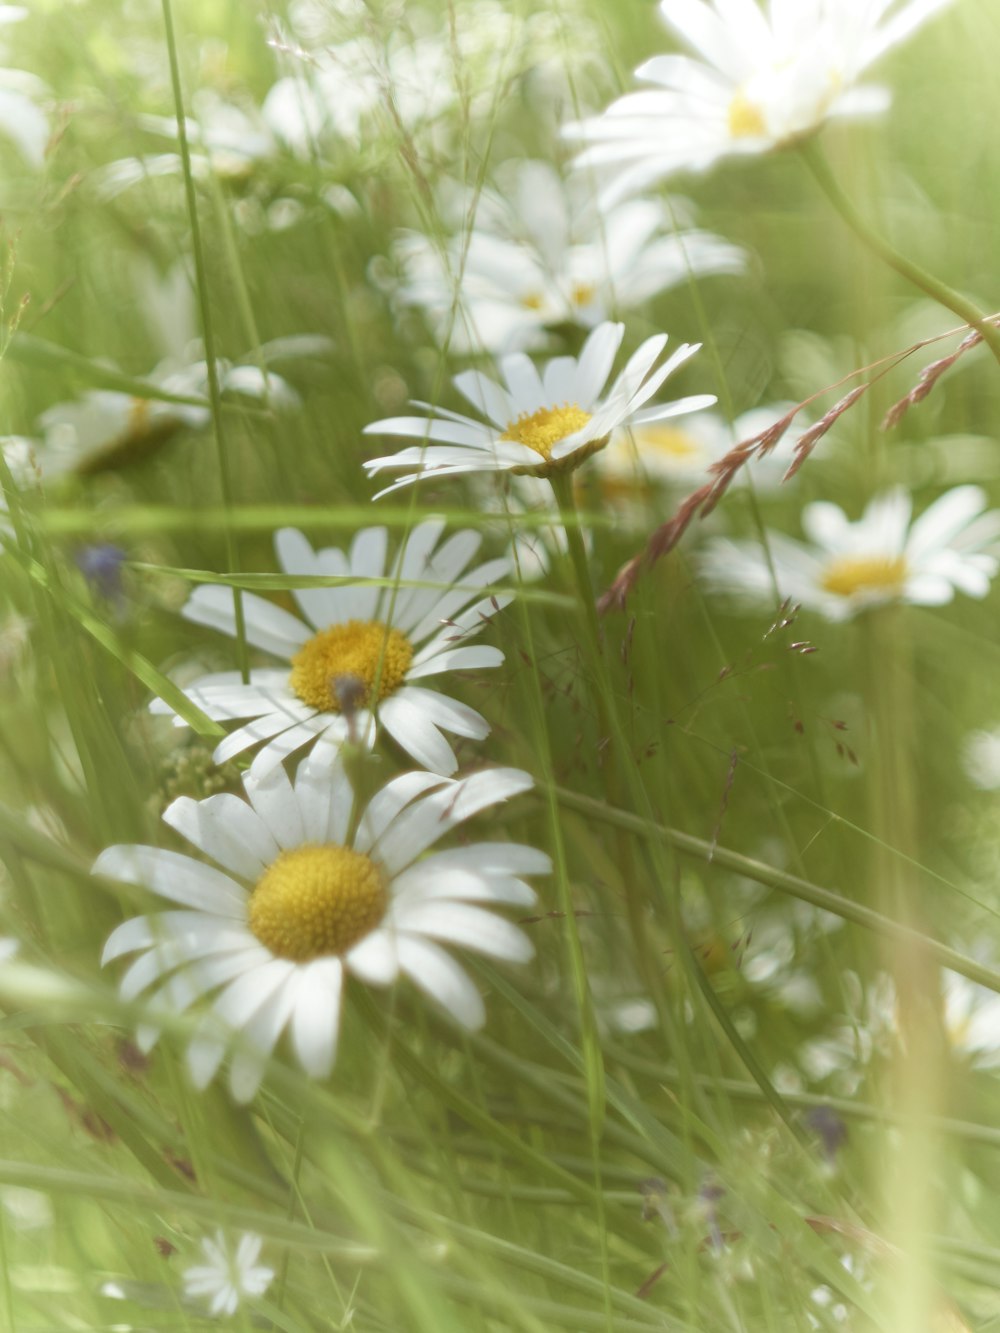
680,455
360,652
309,892
539,423
541,254
981,759
228,1276
106,428
881,558
761,79
972,1019
22,120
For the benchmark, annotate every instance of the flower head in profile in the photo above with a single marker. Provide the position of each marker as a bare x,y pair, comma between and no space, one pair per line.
306,894
539,423
540,254
761,78
360,651
881,558
228,1276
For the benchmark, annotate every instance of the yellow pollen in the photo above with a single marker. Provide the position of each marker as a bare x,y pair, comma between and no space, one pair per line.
669,441
850,574
745,119
542,429
338,668
532,301
316,900
582,293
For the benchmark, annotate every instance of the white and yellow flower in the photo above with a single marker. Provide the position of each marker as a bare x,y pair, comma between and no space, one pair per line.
881,558
760,79
362,650
228,1276
537,423
540,253
668,454
306,895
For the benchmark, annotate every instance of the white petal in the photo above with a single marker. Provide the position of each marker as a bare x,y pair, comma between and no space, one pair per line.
410,727
316,1018
174,876
440,977
374,958
324,794
226,829
485,932
267,626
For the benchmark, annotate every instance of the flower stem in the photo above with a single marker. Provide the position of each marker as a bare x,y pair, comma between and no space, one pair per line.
918,1080
939,291
562,486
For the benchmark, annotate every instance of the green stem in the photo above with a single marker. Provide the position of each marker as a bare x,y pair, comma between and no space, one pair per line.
933,287
562,486
208,332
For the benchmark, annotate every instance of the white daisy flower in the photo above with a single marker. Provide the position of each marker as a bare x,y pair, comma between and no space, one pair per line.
541,254
361,652
971,1018
981,759
104,428
681,455
539,424
228,1277
761,79
881,558
306,894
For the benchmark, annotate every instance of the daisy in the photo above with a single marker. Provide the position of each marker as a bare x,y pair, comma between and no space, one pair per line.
879,559
541,254
981,759
971,1019
360,652
227,1277
681,455
105,428
306,894
539,424
761,79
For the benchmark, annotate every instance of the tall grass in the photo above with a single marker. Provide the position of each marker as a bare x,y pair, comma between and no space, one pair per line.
700,1107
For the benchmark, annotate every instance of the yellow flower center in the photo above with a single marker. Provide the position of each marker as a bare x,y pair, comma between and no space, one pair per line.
849,574
338,668
542,429
316,900
532,301
745,119
582,293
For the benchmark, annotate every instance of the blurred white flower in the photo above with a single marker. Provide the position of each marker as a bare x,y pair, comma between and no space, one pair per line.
972,1019
228,1277
108,427
539,423
881,558
681,455
539,253
761,79
981,759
